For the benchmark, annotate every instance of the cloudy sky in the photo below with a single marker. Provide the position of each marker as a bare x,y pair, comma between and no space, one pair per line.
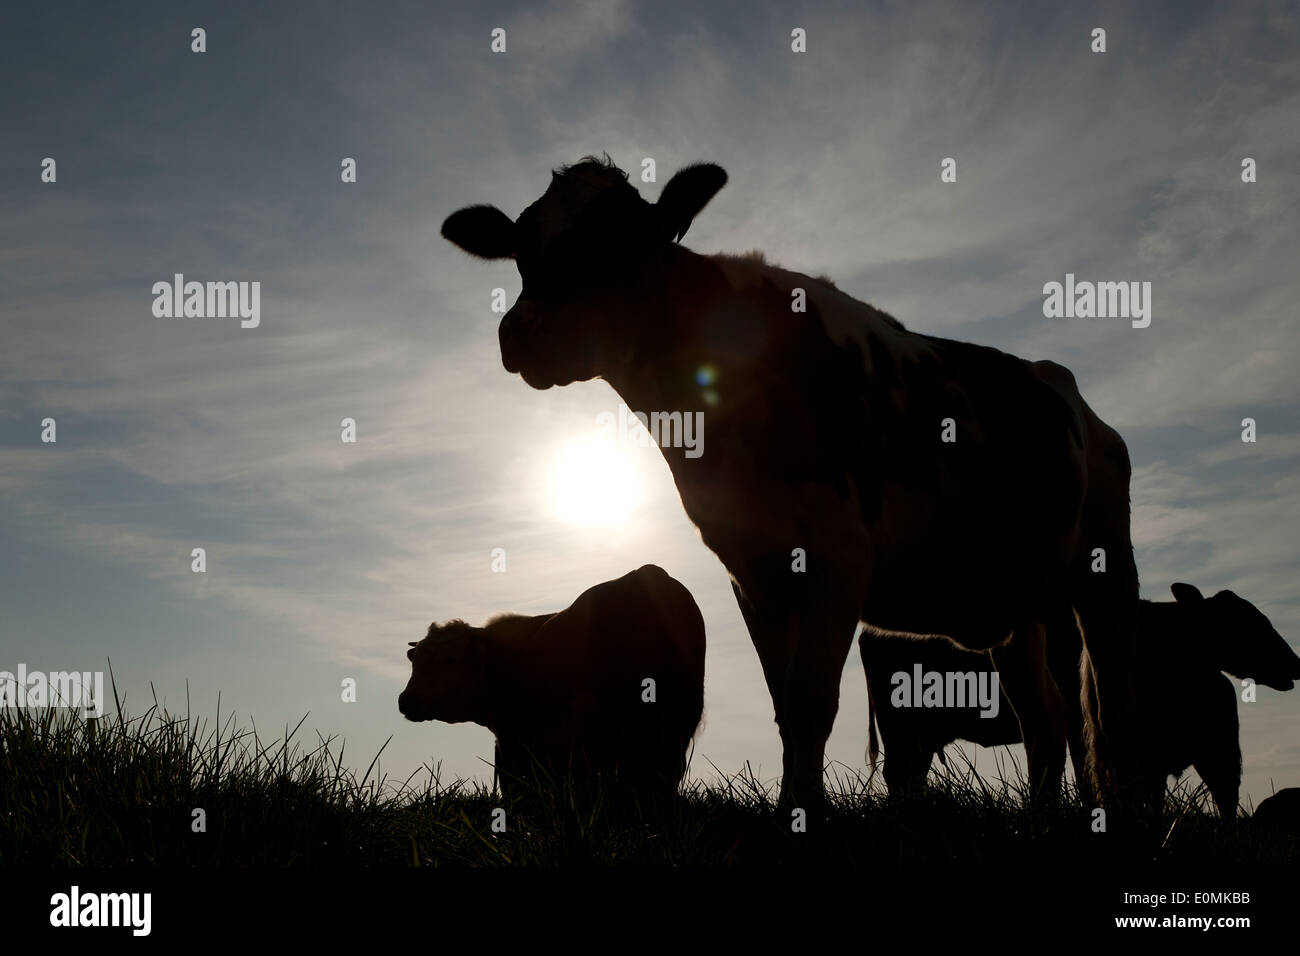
325,558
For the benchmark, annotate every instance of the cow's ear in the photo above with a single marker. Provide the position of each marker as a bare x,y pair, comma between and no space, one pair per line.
483,231
686,194
1185,593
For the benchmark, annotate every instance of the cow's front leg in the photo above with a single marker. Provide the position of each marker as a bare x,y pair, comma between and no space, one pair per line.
811,699
803,639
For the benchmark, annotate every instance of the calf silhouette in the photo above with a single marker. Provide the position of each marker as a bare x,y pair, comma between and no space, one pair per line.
829,487
1187,709
606,693
914,735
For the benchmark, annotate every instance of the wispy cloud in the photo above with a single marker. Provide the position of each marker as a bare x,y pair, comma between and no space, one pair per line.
181,433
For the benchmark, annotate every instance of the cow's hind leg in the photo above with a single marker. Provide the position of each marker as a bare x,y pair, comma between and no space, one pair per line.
1106,619
1109,706
1023,673
1064,658
1104,594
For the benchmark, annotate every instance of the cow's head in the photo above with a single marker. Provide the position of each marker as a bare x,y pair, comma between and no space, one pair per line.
1242,639
582,250
448,675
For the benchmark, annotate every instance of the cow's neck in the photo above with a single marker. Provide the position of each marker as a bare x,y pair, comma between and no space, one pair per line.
510,651
1177,635
805,376
677,292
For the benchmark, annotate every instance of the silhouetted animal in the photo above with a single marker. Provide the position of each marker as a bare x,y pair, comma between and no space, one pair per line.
567,694
913,736
1281,811
1187,709
826,423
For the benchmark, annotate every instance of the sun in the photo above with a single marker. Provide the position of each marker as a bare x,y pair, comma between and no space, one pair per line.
593,483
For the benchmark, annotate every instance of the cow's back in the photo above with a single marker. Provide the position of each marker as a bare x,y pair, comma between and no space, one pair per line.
993,511
644,626
591,664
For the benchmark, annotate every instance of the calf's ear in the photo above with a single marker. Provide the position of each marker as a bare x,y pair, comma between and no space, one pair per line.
686,194
1185,593
483,231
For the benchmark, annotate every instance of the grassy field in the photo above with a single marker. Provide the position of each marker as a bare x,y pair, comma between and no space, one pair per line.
121,791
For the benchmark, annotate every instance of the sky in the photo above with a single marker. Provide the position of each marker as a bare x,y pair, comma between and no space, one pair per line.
324,558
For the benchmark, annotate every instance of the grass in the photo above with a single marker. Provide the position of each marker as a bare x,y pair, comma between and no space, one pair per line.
121,791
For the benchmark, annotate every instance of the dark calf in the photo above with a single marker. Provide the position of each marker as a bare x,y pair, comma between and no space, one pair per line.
568,694
1187,708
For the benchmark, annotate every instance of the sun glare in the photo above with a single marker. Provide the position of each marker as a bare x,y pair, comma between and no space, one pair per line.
594,483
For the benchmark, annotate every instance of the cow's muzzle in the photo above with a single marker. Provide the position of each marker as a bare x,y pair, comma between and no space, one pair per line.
515,333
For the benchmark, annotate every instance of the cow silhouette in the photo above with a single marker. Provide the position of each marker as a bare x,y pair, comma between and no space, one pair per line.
913,735
854,471
1187,708
606,694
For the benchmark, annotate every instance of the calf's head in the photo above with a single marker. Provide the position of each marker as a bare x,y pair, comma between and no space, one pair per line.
582,251
448,675
1240,637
